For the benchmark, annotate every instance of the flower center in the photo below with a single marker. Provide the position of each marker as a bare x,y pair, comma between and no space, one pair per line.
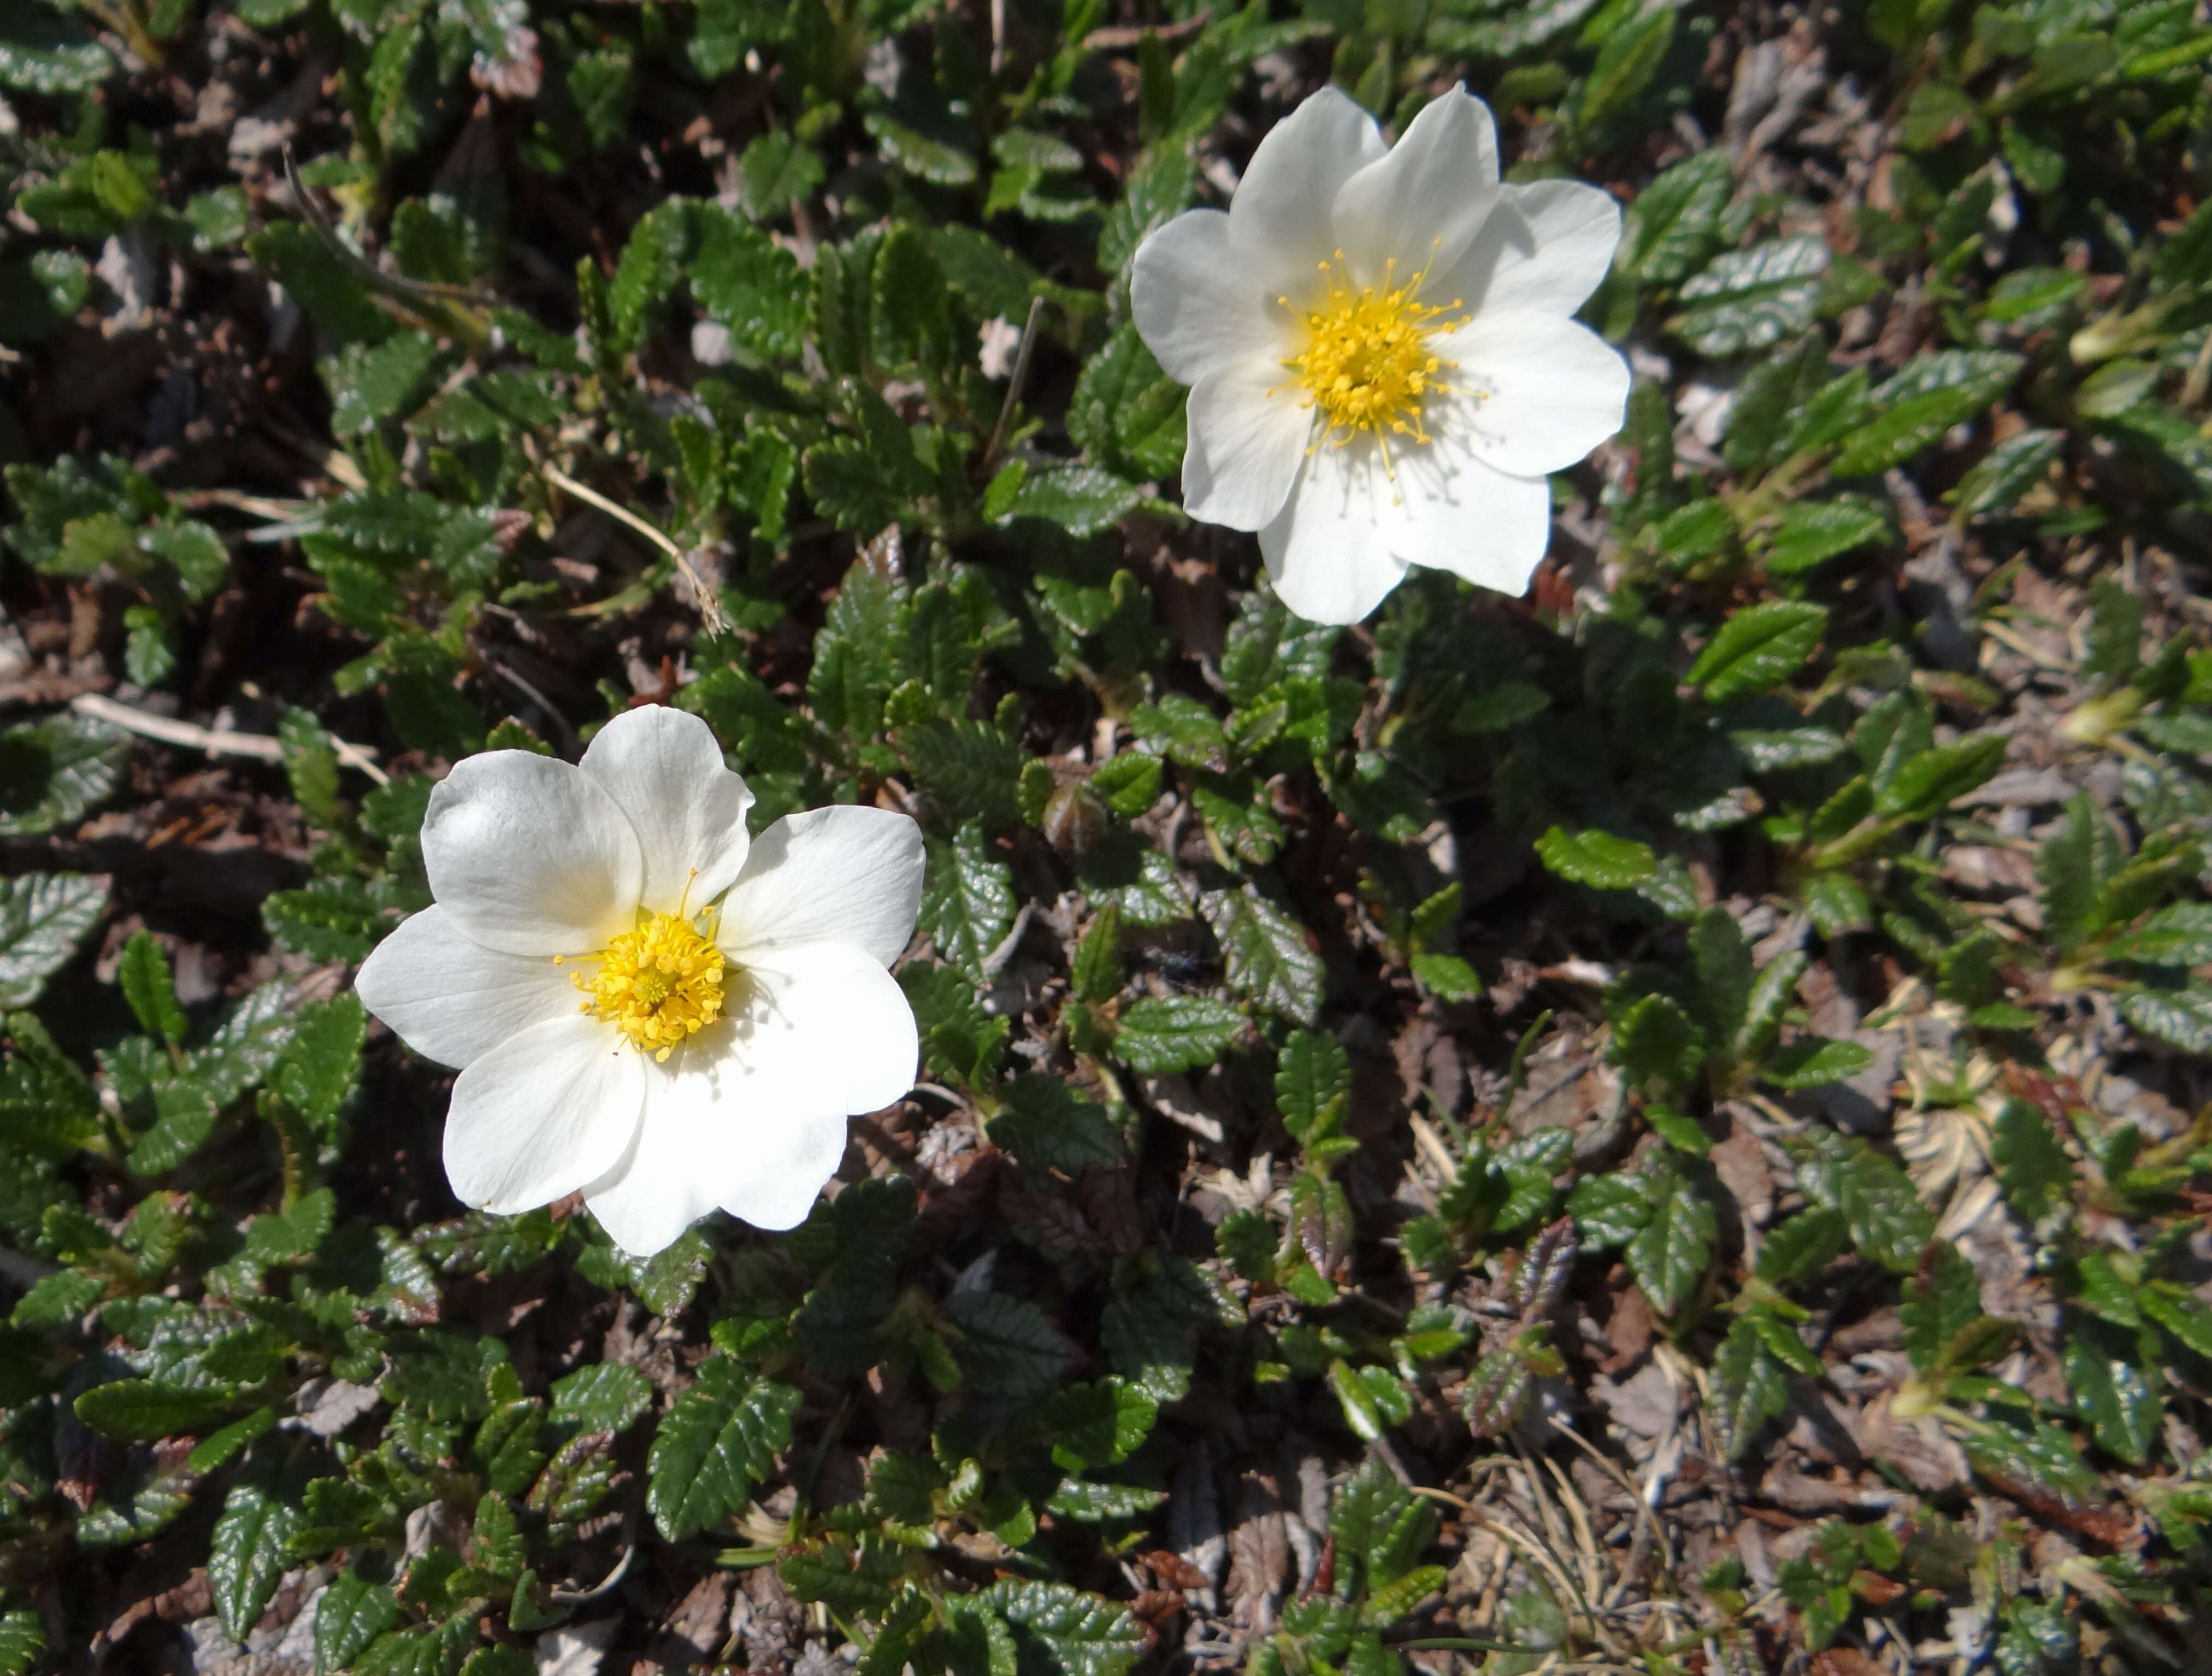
1368,363
657,984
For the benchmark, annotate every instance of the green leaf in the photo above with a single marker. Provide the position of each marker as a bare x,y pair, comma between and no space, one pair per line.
1164,1033
2116,1397
293,1235
1313,1085
185,1110
775,172
2181,1313
245,1559
1668,1255
1062,1632
1811,1062
1081,500
47,54
1812,532
1006,1346
1885,1219
248,1043
2072,865
1748,1388
1675,220
372,382
353,1613
1048,1126
1158,187
1098,1424
1631,55
21,1640
2007,471
1381,1529
1095,971
719,1440
1929,782
2040,1468
604,1396
651,264
143,972
1655,1041
969,768
332,919
922,144
2179,935
1941,1301
966,899
745,280
1372,1398
1932,394
1598,859
2182,1018
1610,1209
1802,1246
1748,299
2108,1288
1721,958
43,917
1837,903
1130,783
1266,954
53,772
2032,1167
1184,729
319,1065
139,1411
1758,647
1127,413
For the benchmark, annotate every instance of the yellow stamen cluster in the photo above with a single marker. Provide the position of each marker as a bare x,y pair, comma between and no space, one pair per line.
657,984
1368,364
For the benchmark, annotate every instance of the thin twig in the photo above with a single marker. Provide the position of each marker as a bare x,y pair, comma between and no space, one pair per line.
216,742
710,599
559,723
423,290
1014,382
1121,38
566,1597
995,961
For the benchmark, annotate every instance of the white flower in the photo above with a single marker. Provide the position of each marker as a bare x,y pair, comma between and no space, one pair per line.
1381,354
644,1005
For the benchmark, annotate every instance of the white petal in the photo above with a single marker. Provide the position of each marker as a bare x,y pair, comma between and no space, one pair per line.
1246,445
1279,219
451,1000
666,1181
787,1180
664,769
1195,307
1546,245
531,856
541,1114
1534,392
1326,550
750,1113
824,1026
839,874
1423,204
1454,513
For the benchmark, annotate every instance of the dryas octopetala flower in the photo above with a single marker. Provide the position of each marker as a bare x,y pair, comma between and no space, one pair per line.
1381,350
644,1005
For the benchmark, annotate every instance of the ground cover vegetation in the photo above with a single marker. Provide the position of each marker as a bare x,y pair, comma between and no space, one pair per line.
1657,1126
